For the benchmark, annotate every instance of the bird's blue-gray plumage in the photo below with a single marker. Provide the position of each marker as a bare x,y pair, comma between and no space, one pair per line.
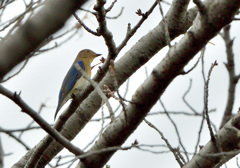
74,81
69,81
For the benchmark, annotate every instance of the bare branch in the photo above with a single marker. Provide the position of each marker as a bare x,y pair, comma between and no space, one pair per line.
233,78
184,98
206,93
20,129
124,95
18,140
131,32
23,66
167,143
194,66
162,75
177,132
199,134
51,131
96,86
111,6
32,33
202,61
167,37
103,30
117,16
228,143
80,118
84,26
7,3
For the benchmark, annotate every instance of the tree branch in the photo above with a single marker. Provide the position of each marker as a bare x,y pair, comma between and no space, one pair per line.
150,44
51,131
210,156
171,66
233,78
33,32
96,86
206,93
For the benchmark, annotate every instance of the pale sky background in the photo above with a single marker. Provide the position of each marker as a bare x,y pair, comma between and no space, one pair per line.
41,79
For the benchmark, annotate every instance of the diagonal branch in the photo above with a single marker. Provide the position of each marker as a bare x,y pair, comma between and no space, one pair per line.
84,26
162,75
100,92
179,21
210,156
132,31
33,32
28,110
167,143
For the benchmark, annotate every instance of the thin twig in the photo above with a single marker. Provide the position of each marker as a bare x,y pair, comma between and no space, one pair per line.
184,98
167,36
84,26
28,110
124,95
194,66
108,17
117,16
202,60
111,6
93,140
166,141
23,66
164,113
206,92
7,3
132,31
177,132
115,84
98,89
20,129
233,78
32,122
18,140
199,134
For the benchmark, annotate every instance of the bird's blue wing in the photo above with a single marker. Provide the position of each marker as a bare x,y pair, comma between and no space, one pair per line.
70,80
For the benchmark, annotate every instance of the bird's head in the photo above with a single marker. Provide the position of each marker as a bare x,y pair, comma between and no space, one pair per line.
86,55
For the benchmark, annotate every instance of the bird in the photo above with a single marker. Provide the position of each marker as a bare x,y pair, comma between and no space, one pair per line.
74,81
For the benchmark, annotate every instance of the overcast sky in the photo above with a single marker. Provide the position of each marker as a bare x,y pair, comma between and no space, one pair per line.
41,79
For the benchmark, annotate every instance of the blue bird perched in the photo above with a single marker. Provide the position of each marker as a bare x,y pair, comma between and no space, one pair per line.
74,81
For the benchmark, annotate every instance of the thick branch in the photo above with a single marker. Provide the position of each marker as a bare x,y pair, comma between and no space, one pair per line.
32,33
139,54
152,88
28,110
227,139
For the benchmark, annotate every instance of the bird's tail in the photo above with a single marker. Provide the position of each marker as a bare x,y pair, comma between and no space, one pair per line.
60,104
58,108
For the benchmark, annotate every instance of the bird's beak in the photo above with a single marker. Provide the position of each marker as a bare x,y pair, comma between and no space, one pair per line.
97,55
